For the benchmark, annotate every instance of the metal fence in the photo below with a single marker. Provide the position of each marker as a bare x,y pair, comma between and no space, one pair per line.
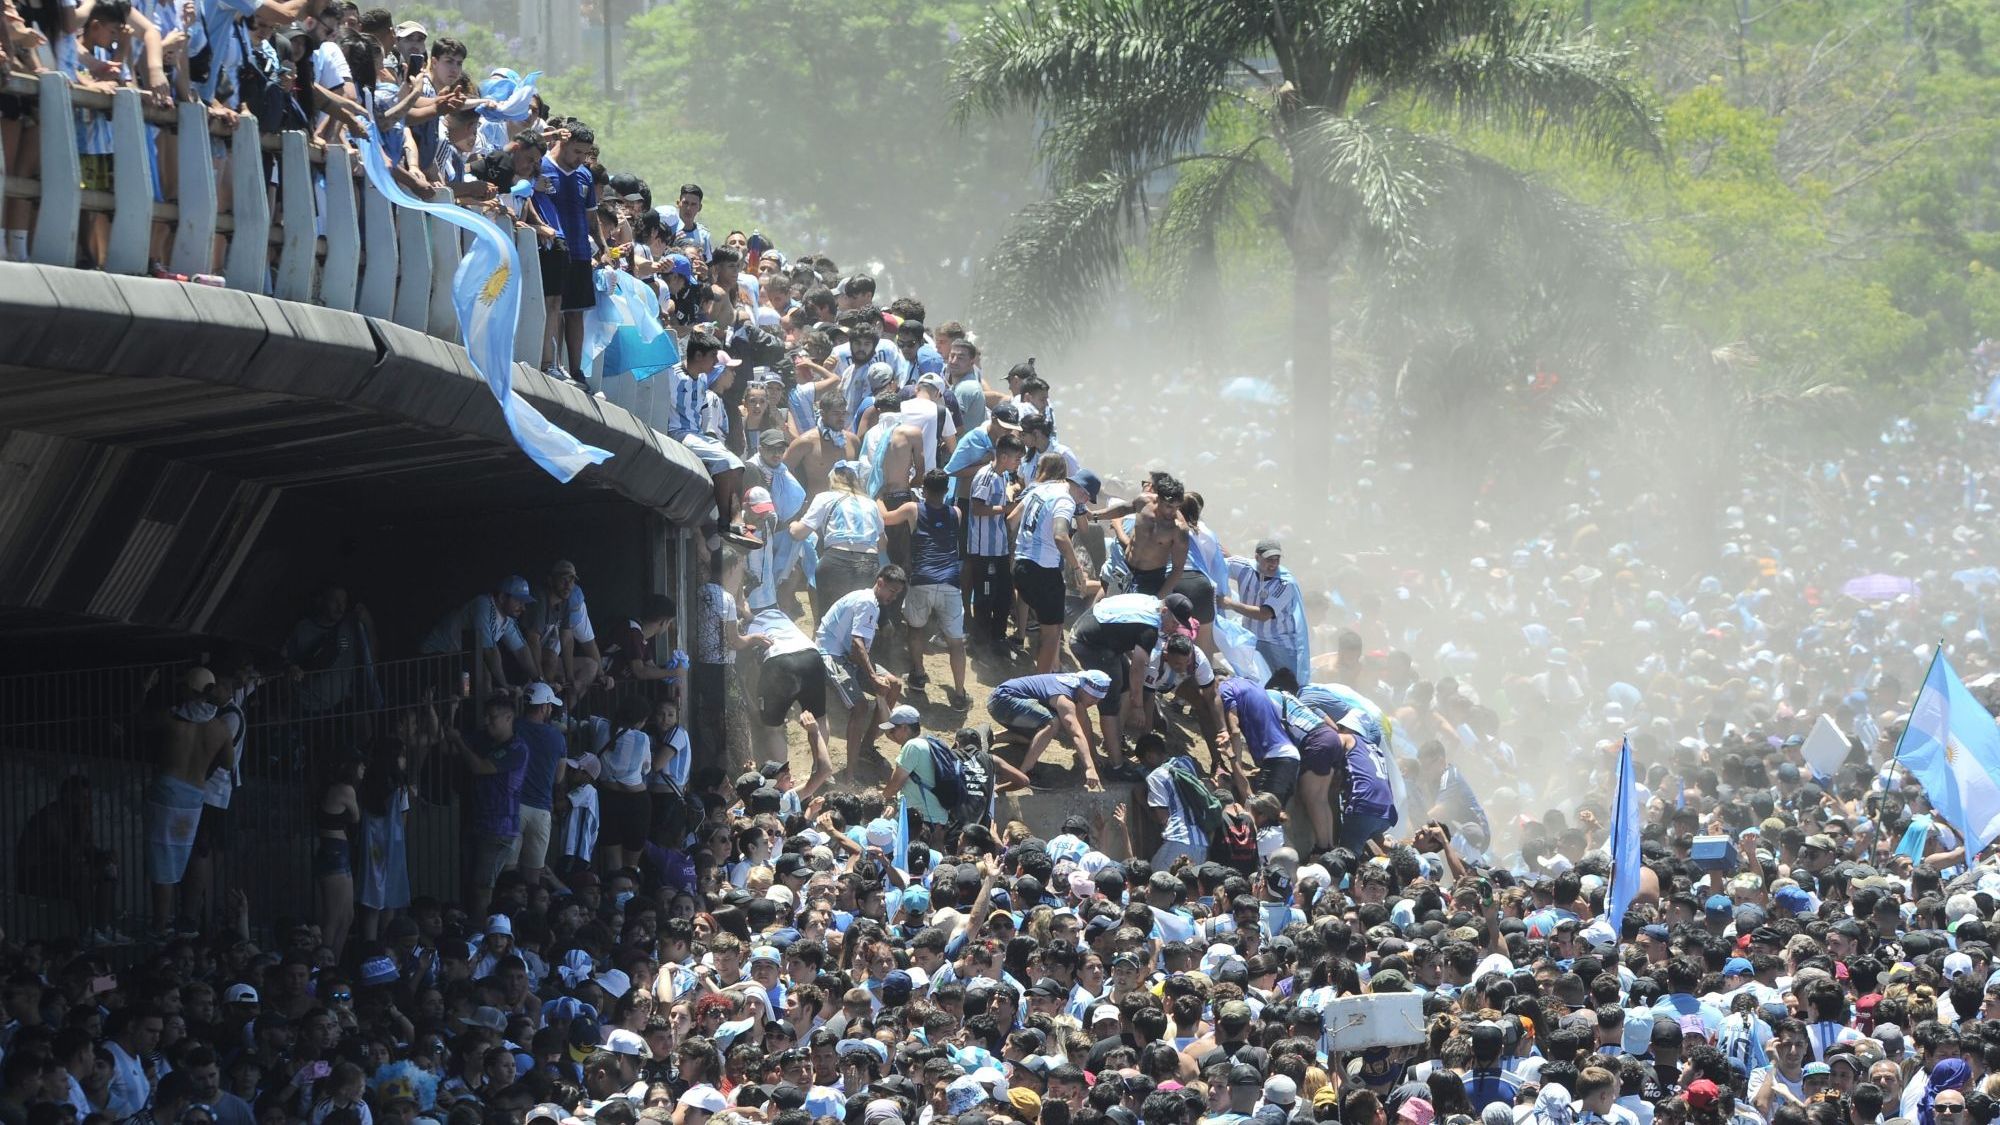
298,221
102,725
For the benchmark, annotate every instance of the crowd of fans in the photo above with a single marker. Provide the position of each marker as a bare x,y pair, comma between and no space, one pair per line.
1419,812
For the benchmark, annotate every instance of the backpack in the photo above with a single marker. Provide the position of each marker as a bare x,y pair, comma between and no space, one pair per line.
1235,845
1203,806
964,786
680,814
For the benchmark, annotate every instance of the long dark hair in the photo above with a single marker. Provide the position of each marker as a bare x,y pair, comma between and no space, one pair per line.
386,775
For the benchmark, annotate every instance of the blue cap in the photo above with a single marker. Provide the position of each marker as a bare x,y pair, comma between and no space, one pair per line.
1737,966
1793,899
678,263
517,587
1655,931
1088,481
1719,907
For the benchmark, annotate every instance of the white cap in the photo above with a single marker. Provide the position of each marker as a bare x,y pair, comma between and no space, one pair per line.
499,924
705,1097
1105,1012
540,693
623,1042
617,984
240,994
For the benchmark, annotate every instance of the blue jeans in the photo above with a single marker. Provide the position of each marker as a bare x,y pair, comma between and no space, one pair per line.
1356,829
1170,851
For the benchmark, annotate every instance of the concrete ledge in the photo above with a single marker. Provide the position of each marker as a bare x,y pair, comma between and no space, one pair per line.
204,344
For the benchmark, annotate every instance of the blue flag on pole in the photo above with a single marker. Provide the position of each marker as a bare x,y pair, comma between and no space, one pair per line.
1626,820
486,292
1953,748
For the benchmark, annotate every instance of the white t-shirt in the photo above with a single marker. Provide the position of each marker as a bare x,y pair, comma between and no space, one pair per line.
786,636
927,415
1041,508
130,1088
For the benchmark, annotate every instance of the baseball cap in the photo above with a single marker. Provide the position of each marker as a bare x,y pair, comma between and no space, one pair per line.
540,693
1105,1013
199,679
1243,1075
758,500
410,27
1718,908
1793,899
500,924
727,359
678,263
904,716
1008,415
704,1097
1181,606
932,380
1266,548
547,1111
240,994
1280,1090
623,1042
1737,966
516,587
1819,840
1095,682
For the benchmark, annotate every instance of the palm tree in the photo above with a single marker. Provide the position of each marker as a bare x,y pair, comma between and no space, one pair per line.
1312,116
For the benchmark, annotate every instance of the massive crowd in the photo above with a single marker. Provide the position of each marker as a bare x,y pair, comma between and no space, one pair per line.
1418,813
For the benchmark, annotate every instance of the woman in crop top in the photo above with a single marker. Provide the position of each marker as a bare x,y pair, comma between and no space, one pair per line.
621,791
338,811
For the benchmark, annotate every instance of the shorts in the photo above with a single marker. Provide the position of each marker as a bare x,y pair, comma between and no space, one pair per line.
1199,590
946,602
14,107
795,677
628,817
1279,777
715,456
1149,581
899,537
1320,752
96,173
534,837
1022,716
572,280
490,856
331,857
212,834
1040,588
845,682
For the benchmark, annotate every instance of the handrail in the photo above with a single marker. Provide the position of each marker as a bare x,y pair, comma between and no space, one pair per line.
302,224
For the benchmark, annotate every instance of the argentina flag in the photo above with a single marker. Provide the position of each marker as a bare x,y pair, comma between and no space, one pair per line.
1953,748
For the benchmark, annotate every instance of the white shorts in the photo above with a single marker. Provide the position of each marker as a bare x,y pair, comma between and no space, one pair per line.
534,838
715,456
920,602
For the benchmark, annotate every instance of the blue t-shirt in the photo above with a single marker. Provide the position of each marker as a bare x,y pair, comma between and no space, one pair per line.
546,748
934,546
496,797
572,202
1368,781
1041,688
1256,717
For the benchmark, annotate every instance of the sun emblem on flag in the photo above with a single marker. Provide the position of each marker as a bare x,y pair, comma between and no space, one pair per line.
1952,747
490,292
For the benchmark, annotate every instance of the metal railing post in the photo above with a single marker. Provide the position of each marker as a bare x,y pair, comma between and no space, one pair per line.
413,276
60,219
445,251
295,202
378,272
249,260
341,277
194,236
534,319
132,189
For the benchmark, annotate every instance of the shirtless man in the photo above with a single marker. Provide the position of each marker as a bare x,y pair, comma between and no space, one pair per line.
1156,549
895,449
811,455
193,740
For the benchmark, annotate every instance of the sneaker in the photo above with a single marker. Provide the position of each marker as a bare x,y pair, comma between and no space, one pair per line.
958,700
916,681
743,536
1125,772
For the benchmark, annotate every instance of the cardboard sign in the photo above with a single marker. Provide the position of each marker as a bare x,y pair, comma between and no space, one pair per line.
1354,1023
1825,748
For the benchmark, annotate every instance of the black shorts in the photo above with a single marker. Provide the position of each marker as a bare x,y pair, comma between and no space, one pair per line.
211,835
1200,591
1149,581
795,677
1112,664
627,818
1040,588
574,281
14,107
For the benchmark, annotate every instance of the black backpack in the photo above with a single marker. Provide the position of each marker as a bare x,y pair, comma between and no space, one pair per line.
1234,845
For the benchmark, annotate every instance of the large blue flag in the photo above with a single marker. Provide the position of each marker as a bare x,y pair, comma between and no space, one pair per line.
624,327
1625,825
486,291
1953,748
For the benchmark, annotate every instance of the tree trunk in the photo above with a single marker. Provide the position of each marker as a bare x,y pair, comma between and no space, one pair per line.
1312,371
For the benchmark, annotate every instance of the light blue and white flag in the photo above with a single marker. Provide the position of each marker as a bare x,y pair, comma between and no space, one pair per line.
486,292
624,328
1626,822
1952,747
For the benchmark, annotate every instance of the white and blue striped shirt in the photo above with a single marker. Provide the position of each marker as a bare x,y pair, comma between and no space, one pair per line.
987,535
1280,593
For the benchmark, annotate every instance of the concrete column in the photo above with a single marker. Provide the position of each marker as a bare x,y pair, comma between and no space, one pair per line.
340,281
248,266
378,235
60,219
445,252
534,313
297,257
413,273
132,169
194,235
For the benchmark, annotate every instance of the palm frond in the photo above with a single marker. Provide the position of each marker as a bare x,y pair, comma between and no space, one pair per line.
1374,177
1213,189
1537,79
1055,262
1137,128
1050,56
1377,38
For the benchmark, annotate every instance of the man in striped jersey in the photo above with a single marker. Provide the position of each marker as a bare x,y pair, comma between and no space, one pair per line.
1268,597
689,382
